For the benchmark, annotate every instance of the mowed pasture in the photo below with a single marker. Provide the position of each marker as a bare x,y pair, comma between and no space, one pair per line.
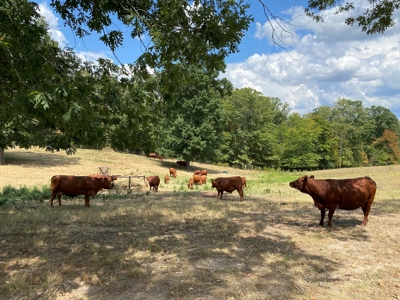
185,244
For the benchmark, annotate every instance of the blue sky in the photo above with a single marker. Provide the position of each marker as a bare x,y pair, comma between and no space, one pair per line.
322,62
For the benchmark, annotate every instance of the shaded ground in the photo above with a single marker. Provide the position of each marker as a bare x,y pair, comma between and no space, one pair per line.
181,244
190,246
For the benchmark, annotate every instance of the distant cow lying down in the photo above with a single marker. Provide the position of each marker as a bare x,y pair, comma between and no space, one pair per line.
79,185
347,194
228,184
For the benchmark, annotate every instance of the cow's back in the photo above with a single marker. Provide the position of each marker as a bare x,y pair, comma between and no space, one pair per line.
229,184
349,194
357,191
69,185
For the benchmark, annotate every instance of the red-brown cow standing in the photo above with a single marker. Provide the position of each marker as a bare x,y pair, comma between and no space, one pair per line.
159,157
203,172
244,181
154,182
197,179
79,185
172,172
228,184
204,178
347,194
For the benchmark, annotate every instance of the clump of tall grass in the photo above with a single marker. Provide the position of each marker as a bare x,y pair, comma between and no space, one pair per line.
11,194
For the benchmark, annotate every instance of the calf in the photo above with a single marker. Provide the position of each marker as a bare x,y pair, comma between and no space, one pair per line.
72,186
166,179
228,184
190,183
347,194
172,172
154,182
197,179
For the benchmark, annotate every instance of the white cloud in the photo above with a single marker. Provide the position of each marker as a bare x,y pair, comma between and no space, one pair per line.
328,60
52,20
91,56
57,35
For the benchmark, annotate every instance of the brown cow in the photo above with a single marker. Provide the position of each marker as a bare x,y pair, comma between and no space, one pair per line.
197,179
181,163
190,183
244,181
79,185
197,172
152,155
203,172
154,182
166,179
159,157
172,172
329,194
228,184
204,178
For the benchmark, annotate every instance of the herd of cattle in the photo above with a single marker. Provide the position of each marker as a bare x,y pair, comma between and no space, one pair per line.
199,177
327,194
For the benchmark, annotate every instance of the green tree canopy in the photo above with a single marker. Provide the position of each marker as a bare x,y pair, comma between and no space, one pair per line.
376,17
249,130
200,33
192,115
48,97
299,143
135,126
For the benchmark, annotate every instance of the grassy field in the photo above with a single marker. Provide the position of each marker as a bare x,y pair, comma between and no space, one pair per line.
186,244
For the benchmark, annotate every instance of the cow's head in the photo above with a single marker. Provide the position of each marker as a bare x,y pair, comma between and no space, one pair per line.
299,183
213,183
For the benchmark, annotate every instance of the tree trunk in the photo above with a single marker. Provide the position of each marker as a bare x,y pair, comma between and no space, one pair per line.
2,161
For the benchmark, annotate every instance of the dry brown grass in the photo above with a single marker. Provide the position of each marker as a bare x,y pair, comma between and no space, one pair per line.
181,244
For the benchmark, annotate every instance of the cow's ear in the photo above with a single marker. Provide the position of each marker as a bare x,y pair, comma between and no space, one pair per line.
305,178
312,176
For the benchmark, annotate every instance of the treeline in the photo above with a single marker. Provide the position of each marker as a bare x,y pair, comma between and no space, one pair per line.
178,108
205,119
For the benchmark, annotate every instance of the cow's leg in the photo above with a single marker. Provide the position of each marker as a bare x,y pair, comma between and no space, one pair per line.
321,223
366,209
53,195
59,198
87,201
330,214
240,191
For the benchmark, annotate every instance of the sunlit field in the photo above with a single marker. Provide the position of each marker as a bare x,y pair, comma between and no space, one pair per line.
186,244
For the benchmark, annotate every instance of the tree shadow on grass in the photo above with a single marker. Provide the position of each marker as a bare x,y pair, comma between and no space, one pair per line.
142,253
132,249
39,160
